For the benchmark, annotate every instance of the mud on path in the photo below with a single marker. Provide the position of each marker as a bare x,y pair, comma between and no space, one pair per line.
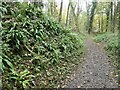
96,71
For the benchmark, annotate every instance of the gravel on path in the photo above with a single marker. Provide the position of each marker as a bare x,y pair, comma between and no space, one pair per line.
96,70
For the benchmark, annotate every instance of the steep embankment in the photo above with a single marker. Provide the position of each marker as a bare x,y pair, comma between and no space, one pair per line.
36,50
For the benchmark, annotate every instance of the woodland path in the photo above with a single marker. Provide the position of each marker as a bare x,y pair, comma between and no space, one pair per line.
96,70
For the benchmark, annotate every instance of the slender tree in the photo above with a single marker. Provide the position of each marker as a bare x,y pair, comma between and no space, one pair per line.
111,16
102,23
94,5
99,24
88,15
51,7
117,17
114,16
55,12
60,14
107,19
68,9
118,28
76,14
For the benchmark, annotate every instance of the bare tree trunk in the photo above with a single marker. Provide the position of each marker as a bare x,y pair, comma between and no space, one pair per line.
111,16
107,19
102,23
76,15
114,17
55,14
49,11
99,25
67,14
51,8
118,16
92,16
88,16
118,13
60,14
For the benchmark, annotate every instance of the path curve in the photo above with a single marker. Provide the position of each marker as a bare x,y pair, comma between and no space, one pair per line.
96,70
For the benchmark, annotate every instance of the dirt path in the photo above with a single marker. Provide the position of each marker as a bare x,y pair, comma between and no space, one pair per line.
96,70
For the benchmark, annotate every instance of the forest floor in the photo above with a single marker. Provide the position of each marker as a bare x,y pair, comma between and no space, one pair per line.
96,71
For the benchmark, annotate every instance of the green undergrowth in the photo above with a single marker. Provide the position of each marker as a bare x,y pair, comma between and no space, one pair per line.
109,41
36,50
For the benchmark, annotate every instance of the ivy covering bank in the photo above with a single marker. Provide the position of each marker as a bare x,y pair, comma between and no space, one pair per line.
36,50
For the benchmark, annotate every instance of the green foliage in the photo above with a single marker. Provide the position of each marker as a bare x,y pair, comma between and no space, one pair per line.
6,61
110,41
37,42
21,79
